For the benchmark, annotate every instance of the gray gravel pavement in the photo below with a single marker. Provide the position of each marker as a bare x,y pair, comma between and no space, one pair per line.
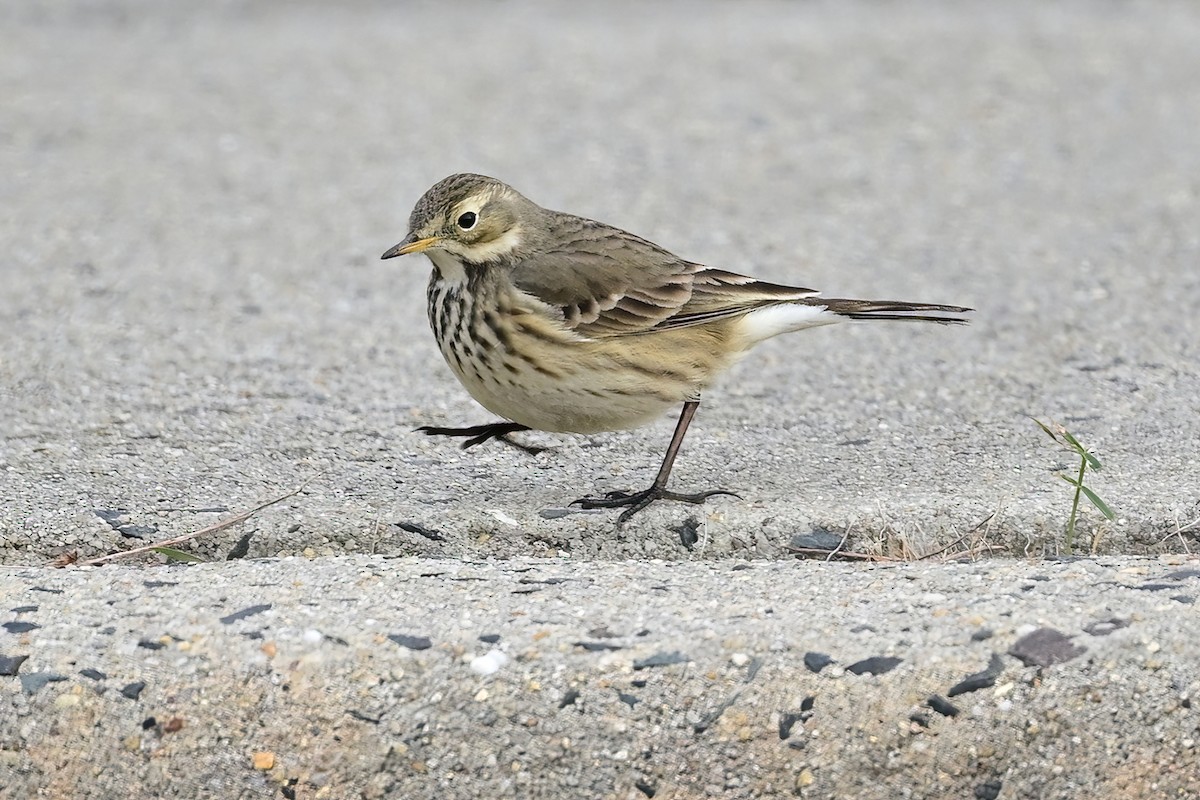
194,319
412,678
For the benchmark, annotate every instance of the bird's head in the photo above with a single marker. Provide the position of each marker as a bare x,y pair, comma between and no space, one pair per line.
475,218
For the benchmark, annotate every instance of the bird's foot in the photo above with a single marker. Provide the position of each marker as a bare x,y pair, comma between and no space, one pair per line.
633,502
481,433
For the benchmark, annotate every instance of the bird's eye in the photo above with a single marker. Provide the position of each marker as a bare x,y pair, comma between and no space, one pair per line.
467,220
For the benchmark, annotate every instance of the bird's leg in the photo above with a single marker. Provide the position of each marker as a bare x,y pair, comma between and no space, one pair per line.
636,501
481,433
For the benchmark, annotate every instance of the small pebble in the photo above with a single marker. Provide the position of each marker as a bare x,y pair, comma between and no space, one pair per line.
488,663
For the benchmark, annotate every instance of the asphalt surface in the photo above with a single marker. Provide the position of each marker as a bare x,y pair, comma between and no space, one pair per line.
194,320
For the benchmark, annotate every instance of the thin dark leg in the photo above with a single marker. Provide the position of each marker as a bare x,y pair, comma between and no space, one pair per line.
481,433
636,501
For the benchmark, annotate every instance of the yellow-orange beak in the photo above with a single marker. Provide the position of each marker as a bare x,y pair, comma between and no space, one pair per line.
410,244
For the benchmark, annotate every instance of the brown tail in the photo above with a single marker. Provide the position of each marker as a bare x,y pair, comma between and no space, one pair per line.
895,309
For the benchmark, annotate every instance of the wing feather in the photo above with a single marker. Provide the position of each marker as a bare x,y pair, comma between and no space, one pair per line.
608,282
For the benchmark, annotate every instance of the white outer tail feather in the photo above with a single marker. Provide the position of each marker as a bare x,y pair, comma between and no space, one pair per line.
764,323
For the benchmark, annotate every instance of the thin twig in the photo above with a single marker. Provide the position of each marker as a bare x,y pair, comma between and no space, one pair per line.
217,526
1189,526
841,544
965,534
820,551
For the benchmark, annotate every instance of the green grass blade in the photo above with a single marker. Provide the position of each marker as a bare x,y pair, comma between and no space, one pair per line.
1046,428
178,555
1071,480
1075,445
1098,503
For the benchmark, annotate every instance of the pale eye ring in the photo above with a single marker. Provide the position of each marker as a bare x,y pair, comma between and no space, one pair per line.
467,220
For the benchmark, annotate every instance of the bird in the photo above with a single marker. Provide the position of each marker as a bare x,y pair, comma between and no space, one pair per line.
554,322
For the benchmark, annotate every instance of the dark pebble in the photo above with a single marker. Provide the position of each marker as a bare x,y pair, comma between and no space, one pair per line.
20,627
133,690
645,788
361,717
24,609
431,534
982,635
489,638
1104,627
689,532
1044,647
787,721
1155,587
597,647
148,723
241,548
627,699
30,684
159,584
818,539
151,644
979,680
1182,574
110,515
94,674
137,531
11,665
942,706
554,513
569,697
411,642
249,611
46,589
919,719
815,662
661,660
988,791
875,665
1186,599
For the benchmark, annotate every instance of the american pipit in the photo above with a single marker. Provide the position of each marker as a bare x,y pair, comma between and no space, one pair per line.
559,323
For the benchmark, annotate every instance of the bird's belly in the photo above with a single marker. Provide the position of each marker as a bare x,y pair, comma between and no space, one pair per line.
563,405
528,368
561,387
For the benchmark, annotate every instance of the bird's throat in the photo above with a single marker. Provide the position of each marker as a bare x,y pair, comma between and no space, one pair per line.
450,268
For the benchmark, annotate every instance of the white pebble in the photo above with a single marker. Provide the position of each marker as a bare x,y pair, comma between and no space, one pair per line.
489,662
